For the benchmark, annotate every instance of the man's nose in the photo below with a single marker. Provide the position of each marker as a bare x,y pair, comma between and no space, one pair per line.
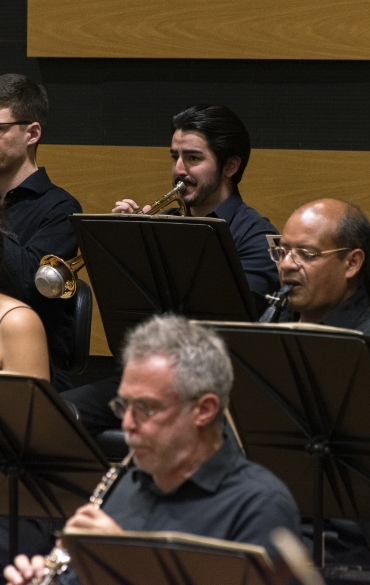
180,167
128,422
288,263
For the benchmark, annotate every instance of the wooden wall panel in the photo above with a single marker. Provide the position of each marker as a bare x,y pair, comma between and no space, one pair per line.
275,182
237,29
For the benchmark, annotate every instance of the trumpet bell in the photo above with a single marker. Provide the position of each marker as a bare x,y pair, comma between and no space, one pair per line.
56,277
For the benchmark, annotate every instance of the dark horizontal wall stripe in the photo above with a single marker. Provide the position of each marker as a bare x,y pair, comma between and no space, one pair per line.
13,21
284,104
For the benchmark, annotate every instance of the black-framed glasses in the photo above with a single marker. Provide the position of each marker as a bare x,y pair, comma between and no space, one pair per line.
17,123
299,255
140,410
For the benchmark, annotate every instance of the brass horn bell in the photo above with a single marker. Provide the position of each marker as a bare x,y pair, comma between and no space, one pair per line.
56,277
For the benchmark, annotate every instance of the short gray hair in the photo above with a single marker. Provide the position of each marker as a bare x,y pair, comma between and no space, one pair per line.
197,353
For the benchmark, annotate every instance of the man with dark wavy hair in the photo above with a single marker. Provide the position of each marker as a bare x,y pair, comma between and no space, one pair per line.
210,150
37,213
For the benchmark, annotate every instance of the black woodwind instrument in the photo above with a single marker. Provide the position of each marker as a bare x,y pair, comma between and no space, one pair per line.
277,301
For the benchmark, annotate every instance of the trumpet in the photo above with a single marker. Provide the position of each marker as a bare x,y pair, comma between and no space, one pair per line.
56,278
166,199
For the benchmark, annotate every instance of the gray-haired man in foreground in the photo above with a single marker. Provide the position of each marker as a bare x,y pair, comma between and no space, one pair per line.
188,476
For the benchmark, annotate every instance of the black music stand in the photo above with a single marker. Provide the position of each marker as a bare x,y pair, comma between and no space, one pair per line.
140,265
165,558
300,405
49,464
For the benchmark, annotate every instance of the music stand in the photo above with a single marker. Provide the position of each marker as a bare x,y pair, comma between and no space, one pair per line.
160,558
141,265
49,464
299,403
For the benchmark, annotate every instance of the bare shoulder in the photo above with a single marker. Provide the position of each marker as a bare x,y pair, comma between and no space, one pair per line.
23,345
17,315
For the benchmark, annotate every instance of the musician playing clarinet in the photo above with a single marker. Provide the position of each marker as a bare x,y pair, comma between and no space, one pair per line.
324,256
188,474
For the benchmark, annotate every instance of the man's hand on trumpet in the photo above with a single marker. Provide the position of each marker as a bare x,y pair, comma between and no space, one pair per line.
129,206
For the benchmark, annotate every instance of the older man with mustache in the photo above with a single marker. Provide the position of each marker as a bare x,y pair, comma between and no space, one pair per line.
324,254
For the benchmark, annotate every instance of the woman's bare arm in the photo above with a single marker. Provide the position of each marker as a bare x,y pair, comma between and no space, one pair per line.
23,345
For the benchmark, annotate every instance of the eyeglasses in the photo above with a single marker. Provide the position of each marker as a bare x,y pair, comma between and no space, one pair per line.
299,255
141,411
20,122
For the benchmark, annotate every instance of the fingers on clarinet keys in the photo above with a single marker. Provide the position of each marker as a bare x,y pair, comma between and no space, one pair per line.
55,564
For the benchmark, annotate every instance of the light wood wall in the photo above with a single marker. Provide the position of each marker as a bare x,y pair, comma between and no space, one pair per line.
275,183
237,29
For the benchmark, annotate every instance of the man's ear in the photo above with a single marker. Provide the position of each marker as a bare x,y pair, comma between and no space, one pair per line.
355,260
231,166
207,408
34,132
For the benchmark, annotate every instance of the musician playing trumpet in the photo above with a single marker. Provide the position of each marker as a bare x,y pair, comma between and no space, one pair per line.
210,150
188,474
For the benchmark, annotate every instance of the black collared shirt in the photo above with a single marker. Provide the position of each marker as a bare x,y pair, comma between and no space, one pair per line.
229,497
37,224
353,313
248,229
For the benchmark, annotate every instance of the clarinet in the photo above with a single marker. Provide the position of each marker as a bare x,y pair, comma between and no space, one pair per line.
277,301
58,560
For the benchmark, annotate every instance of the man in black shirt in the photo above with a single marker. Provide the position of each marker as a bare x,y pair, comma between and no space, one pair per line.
37,213
210,150
188,476
324,253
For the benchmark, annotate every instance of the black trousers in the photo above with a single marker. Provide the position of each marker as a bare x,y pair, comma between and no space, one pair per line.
91,400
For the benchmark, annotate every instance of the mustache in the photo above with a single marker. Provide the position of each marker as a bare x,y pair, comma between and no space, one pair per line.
185,180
